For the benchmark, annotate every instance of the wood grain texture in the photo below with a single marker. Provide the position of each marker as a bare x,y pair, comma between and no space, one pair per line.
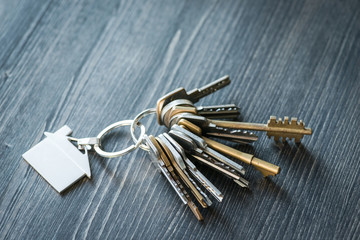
91,63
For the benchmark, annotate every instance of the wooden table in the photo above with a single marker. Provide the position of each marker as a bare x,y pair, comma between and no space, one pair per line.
88,64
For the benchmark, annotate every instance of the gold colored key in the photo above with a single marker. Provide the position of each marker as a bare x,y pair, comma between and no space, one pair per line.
264,167
274,128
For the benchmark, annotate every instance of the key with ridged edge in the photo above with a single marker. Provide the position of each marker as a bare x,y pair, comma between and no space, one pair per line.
192,96
277,129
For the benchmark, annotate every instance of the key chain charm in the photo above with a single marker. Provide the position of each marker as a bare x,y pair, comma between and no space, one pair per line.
61,163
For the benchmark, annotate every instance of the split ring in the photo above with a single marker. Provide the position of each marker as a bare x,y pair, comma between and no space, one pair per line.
136,122
121,152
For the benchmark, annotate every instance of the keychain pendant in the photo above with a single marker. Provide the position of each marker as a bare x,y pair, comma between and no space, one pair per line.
61,163
58,161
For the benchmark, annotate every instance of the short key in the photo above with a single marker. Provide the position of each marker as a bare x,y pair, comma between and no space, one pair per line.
172,145
166,161
194,171
193,96
170,151
156,157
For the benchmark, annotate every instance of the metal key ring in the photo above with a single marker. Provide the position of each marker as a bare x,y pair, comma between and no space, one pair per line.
136,122
121,152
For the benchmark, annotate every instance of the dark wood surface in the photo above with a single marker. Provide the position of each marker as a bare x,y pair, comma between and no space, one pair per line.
91,63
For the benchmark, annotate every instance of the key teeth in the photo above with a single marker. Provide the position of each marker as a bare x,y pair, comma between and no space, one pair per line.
272,120
286,120
293,123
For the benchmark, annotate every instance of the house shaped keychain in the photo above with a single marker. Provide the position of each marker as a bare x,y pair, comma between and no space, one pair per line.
58,161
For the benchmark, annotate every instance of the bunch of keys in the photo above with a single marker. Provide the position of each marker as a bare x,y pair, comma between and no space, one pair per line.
176,152
188,142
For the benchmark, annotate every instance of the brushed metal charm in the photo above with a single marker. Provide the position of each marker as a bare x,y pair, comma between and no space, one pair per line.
57,160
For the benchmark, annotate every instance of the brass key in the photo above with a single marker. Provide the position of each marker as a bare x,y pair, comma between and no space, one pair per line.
274,128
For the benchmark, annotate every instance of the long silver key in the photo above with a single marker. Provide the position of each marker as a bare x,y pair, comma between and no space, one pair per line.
194,171
191,147
194,95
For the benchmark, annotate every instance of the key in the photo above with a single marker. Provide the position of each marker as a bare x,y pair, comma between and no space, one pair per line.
193,96
169,150
194,171
274,128
191,147
158,154
202,145
155,156
224,111
180,161
264,167
178,158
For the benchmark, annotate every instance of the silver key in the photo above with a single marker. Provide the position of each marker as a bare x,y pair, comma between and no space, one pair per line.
234,135
194,171
192,148
155,157
195,189
225,111
202,144
193,96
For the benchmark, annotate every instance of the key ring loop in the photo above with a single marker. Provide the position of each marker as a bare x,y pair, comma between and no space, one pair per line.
121,152
136,122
